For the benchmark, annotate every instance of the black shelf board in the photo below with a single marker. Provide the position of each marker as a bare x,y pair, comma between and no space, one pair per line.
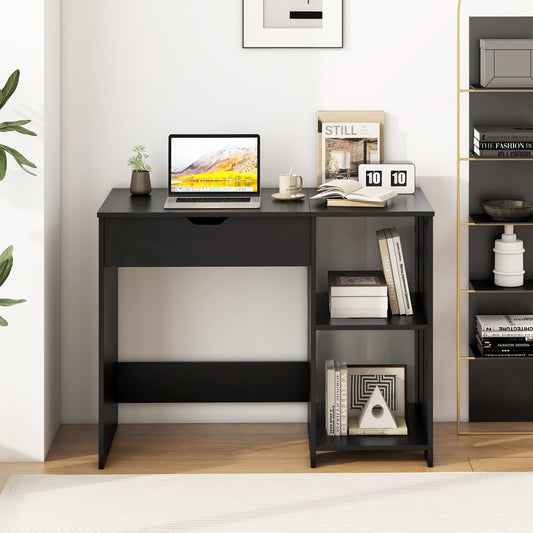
407,205
418,320
479,88
417,438
474,352
485,220
487,285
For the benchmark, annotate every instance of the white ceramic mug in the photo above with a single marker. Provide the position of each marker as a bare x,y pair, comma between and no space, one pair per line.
290,184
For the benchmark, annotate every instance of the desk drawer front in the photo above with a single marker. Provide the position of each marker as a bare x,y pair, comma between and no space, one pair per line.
197,241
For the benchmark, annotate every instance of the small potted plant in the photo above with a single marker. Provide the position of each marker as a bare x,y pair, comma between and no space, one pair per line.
140,175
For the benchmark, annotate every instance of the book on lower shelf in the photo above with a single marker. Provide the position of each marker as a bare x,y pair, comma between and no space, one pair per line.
357,294
354,429
364,400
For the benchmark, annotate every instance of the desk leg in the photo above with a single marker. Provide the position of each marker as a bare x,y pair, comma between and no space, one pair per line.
108,359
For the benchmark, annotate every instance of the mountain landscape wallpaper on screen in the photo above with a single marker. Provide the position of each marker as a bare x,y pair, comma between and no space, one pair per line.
230,166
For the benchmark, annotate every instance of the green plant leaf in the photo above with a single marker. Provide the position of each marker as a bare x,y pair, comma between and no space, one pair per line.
5,269
9,88
3,322
3,164
16,126
20,159
8,302
6,254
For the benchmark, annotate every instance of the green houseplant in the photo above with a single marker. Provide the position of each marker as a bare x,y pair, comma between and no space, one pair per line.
17,126
140,172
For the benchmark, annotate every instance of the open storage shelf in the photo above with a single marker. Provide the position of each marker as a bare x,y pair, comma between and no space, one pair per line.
412,334
508,179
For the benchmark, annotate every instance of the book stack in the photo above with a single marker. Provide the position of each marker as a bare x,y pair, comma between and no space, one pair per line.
350,193
357,294
336,397
504,335
503,142
393,264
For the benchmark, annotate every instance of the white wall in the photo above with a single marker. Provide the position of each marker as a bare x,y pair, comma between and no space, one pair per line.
29,355
136,70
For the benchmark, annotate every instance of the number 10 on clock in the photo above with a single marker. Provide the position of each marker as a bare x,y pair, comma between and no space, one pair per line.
397,176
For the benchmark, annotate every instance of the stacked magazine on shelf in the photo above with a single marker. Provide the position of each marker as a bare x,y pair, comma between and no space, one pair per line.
504,335
503,142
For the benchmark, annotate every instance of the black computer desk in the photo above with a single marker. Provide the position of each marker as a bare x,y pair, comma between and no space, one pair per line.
138,232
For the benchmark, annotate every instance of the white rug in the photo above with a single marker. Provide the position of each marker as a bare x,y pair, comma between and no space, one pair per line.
425,502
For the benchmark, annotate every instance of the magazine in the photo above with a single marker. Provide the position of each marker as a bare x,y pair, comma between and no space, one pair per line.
352,190
345,145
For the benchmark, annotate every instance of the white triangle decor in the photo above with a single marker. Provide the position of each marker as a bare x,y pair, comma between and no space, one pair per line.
376,413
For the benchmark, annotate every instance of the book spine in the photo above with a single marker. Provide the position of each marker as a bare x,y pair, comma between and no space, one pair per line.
525,335
330,397
387,271
511,342
503,145
503,154
502,135
337,399
505,351
403,273
344,398
395,271
499,354
358,313
355,302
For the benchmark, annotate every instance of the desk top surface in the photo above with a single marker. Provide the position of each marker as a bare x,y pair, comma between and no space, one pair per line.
120,203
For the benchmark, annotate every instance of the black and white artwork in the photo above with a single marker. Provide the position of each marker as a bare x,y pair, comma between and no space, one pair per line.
292,14
390,381
292,24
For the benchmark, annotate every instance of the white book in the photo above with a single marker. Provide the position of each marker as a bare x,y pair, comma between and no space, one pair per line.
330,397
357,283
395,271
403,273
504,323
358,302
349,189
344,398
337,399
387,271
380,312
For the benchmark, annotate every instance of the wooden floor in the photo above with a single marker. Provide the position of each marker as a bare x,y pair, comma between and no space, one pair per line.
259,448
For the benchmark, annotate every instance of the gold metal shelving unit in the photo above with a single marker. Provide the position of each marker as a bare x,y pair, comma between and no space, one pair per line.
476,221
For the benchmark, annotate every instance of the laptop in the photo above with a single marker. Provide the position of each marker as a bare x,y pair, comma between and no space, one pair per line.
213,171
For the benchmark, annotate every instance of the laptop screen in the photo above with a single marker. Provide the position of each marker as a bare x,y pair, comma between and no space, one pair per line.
203,164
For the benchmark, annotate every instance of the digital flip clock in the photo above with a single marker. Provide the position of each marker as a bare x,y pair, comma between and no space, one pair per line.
399,177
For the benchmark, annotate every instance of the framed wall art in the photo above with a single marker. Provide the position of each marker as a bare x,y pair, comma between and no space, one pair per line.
390,380
292,24
346,139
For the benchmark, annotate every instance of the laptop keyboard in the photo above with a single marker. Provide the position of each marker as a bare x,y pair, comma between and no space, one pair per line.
212,200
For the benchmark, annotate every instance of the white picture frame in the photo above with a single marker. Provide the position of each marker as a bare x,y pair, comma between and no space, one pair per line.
256,35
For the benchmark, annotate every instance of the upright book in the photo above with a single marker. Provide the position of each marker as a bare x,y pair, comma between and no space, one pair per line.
404,284
387,271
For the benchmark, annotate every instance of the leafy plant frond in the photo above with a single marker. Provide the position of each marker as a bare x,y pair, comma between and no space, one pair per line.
3,322
138,161
3,164
9,88
17,126
8,302
19,158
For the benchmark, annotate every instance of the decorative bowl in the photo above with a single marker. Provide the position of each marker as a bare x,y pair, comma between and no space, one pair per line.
507,210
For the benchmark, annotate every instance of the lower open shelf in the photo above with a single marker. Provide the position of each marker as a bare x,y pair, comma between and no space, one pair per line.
417,439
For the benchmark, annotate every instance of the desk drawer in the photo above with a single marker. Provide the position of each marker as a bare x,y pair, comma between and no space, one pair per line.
209,241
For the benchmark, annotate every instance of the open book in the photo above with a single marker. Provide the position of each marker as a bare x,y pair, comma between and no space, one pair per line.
347,192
